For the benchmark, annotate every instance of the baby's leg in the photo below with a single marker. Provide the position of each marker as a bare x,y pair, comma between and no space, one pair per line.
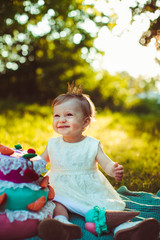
59,227
60,210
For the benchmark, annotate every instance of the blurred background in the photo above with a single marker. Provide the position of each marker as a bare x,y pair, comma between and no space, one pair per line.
110,47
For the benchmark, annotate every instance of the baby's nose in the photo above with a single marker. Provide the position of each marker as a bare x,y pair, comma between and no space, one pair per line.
62,119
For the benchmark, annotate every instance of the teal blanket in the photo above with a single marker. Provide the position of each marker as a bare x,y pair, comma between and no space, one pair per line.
147,203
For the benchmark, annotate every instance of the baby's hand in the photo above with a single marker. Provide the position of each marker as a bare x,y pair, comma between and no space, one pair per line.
117,172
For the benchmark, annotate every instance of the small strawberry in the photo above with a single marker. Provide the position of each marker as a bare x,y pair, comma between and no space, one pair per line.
37,205
51,193
44,182
3,198
6,150
31,150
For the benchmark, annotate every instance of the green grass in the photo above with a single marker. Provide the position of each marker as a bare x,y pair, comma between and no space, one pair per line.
130,139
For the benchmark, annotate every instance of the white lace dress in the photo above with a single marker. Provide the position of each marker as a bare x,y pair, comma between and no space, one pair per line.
75,177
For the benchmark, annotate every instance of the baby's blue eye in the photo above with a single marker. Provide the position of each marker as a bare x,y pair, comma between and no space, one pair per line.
56,115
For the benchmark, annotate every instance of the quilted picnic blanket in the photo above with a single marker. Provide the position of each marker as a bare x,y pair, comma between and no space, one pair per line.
147,203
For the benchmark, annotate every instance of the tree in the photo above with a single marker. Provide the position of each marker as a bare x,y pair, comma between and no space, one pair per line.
46,43
151,9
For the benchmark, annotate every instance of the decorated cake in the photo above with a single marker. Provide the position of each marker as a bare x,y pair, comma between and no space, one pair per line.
25,195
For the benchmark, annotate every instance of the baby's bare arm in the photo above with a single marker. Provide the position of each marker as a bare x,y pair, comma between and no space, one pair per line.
45,155
113,169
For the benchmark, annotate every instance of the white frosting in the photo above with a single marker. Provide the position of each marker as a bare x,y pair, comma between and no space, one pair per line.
46,211
8,163
6,184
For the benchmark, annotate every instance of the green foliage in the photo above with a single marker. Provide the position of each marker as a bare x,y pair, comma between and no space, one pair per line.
121,92
127,138
144,106
37,61
150,8
44,44
112,91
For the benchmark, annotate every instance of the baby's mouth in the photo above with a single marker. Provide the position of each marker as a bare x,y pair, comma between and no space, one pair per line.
63,127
